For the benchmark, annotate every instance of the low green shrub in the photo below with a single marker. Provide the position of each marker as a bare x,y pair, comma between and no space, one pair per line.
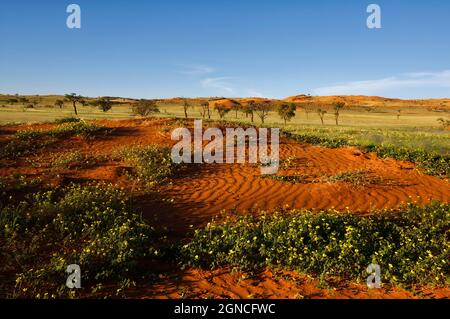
17,148
18,182
294,179
65,130
151,164
69,119
29,142
318,140
92,226
76,160
431,163
411,245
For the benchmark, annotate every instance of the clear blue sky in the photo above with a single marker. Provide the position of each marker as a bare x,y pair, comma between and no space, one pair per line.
274,48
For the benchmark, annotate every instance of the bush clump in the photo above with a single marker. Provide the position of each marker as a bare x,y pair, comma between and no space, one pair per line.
70,119
151,164
92,226
30,142
65,130
411,246
431,163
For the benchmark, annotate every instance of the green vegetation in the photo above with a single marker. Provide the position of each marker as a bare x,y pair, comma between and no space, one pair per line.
17,147
445,123
321,114
18,182
294,179
357,178
221,110
72,128
92,226
186,105
30,142
432,162
262,110
145,108
74,99
75,160
104,104
412,245
151,164
69,119
59,103
338,106
287,112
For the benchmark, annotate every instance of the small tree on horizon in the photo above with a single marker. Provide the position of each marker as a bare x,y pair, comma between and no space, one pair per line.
308,109
321,114
59,103
337,108
287,112
186,105
74,99
205,110
249,109
104,104
23,100
236,107
221,109
262,110
32,104
444,122
145,108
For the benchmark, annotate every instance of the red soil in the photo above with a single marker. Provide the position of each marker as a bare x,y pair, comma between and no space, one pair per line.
202,192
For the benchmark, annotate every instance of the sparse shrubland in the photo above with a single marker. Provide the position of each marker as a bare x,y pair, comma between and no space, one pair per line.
29,142
151,164
92,226
69,129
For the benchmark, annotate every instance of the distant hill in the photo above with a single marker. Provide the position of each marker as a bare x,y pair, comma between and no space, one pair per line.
357,102
368,102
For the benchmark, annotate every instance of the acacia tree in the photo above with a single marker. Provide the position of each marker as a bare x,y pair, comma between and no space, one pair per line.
34,103
249,110
308,109
262,110
74,99
369,108
236,107
287,111
23,100
205,110
59,103
337,107
186,105
321,114
12,101
145,108
104,104
221,109
445,123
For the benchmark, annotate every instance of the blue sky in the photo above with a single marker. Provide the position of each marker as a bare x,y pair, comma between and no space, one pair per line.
272,48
